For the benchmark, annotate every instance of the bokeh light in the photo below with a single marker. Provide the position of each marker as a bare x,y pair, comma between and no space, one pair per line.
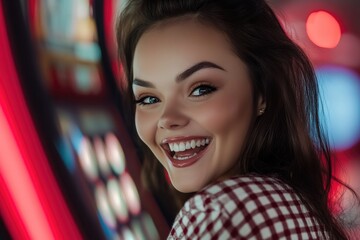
340,93
323,29
117,200
103,205
131,194
99,148
87,159
115,153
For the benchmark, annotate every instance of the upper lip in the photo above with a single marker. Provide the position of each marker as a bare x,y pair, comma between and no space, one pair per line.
181,139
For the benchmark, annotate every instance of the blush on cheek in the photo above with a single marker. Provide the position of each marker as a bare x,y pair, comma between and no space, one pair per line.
226,113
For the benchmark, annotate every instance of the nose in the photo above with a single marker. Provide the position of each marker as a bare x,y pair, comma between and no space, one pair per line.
172,118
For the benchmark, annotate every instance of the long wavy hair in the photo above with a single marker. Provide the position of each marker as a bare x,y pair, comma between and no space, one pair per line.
287,140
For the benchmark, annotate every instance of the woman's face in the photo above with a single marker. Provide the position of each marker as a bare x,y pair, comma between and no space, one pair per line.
194,101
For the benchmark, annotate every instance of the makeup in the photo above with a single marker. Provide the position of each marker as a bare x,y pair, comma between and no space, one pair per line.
185,151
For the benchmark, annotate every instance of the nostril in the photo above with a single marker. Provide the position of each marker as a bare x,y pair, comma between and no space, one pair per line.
167,124
172,126
172,117
172,123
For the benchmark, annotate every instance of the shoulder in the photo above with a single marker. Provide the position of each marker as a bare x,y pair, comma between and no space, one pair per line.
244,207
252,191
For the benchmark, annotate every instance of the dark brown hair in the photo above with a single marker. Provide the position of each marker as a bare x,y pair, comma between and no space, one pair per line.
287,140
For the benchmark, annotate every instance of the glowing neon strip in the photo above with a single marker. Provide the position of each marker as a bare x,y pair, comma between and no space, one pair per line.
31,202
21,195
33,12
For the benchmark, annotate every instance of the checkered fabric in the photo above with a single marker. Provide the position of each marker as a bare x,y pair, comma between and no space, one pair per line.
247,207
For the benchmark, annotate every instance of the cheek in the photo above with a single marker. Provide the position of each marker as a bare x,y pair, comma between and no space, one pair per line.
144,127
226,113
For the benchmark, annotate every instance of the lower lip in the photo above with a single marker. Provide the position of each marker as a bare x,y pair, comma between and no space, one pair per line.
188,162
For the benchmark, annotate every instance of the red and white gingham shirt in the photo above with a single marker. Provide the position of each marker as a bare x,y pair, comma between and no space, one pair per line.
247,207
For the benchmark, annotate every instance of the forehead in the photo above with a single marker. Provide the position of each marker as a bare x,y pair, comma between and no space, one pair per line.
178,44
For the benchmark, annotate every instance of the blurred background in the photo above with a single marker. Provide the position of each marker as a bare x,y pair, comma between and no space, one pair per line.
68,167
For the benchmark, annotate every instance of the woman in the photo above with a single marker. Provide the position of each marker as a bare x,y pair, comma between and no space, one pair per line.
227,103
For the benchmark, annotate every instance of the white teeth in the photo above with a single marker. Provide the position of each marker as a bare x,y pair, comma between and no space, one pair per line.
185,158
193,145
176,147
171,146
182,146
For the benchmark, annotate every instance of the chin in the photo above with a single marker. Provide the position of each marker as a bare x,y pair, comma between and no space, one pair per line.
183,189
188,185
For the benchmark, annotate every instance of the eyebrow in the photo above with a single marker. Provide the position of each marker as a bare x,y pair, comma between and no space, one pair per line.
143,83
182,76
201,65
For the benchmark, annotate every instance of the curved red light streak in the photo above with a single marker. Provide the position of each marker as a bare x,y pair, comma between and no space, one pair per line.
32,205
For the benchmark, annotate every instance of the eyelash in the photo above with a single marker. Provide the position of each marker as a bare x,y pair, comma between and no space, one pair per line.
141,101
208,90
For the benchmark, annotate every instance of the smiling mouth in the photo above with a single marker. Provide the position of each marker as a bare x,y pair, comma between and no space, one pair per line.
184,153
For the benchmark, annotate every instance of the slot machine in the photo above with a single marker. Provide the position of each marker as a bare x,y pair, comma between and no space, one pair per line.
71,97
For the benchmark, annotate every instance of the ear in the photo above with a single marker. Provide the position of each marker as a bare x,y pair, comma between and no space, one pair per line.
261,106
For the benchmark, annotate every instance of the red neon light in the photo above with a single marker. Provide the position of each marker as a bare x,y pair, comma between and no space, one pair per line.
110,38
33,12
108,22
31,202
323,29
21,195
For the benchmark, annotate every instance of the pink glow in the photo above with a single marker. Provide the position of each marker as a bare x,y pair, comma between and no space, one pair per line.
323,29
31,202
18,182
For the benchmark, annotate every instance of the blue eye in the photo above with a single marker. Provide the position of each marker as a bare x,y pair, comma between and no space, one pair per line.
202,90
148,100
